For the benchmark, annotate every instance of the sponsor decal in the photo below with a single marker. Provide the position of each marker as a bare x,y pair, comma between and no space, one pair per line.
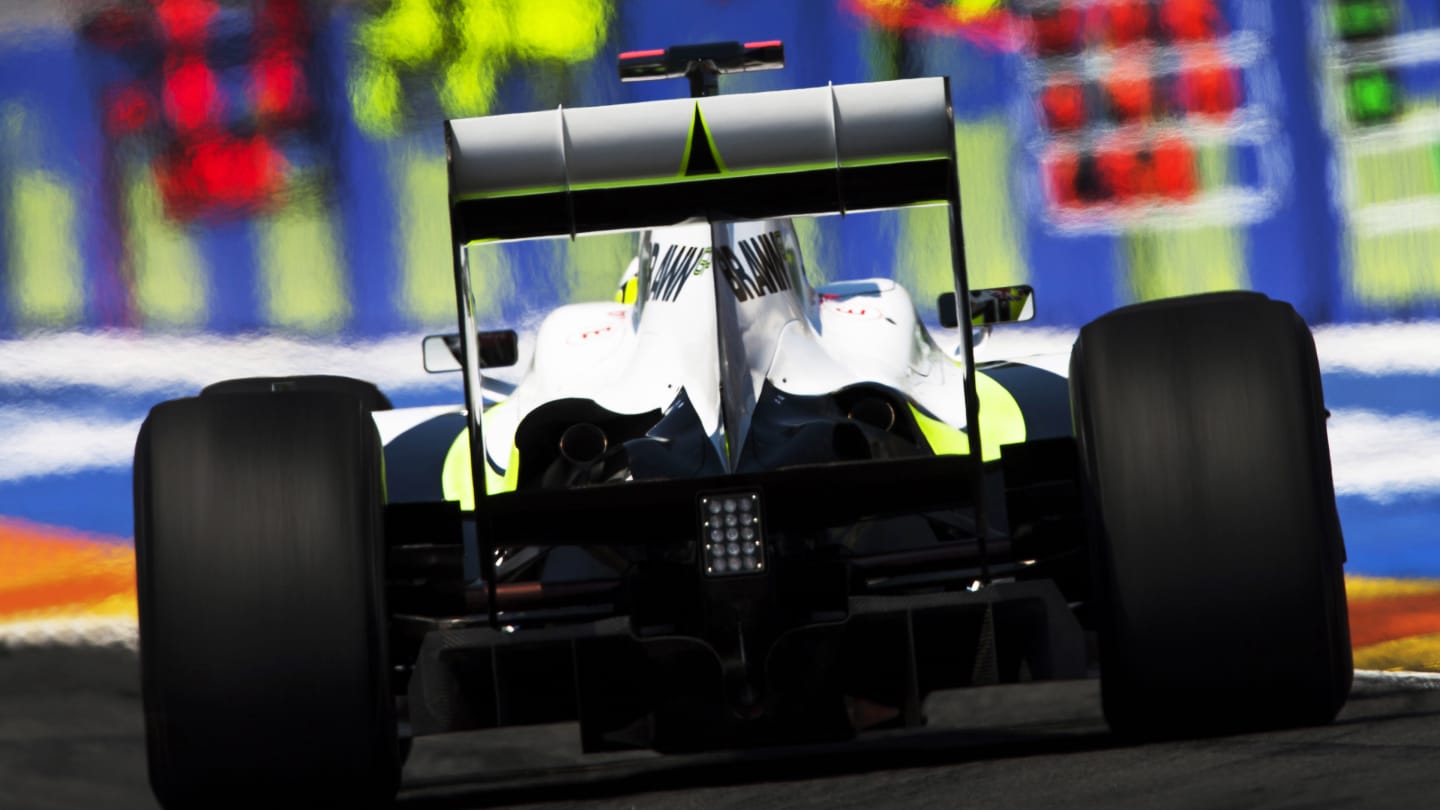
760,268
590,335
671,269
865,307
597,331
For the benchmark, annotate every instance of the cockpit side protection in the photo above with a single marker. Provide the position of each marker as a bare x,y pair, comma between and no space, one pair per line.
1004,423
456,482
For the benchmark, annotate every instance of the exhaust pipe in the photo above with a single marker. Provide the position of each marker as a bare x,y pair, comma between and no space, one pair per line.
582,451
583,444
873,411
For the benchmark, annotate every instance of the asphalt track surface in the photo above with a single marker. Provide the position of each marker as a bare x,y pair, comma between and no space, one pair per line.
71,737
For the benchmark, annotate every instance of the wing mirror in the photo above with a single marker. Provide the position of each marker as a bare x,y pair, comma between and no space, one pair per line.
989,307
498,349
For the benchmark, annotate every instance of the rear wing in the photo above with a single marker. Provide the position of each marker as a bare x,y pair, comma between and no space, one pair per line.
833,149
773,155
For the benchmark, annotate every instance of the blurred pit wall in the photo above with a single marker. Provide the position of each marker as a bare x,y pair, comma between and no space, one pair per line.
277,166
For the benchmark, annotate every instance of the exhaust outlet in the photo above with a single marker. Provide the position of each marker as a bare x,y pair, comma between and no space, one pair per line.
873,411
583,444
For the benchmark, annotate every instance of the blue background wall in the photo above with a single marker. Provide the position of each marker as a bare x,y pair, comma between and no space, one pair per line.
350,240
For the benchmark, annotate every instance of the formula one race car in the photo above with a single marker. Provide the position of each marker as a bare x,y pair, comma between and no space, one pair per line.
738,508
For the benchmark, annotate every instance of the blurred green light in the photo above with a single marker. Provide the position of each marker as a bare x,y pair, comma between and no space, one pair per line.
1371,97
1363,19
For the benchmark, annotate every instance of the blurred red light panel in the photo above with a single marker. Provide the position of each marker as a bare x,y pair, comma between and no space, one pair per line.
1208,86
1175,174
185,23
1126,22
1062,168
190,93
1064,106
223,171
1121,172
1130,93
116,29
281,21
128,109
279,89
1191,20
1058,31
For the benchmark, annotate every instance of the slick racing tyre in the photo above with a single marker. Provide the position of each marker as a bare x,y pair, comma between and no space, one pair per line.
369,395
259,542
1216,546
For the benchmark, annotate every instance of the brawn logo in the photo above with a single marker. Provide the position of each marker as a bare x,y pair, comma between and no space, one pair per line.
760,270
672,267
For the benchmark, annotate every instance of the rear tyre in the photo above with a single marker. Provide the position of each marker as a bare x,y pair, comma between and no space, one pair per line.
1216,551
259,547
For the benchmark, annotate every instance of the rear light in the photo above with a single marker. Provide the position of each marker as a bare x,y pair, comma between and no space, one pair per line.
731,534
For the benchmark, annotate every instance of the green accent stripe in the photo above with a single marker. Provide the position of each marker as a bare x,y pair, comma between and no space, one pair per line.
456,478
891,161
662,180
709,140
689,146
700,178
1001,422
302,284
531,191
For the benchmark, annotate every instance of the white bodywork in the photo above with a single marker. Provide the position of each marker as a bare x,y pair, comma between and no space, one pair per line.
720,311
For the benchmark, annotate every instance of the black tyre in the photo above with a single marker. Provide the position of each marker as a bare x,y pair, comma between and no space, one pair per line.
1217,551
259,542
369,395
